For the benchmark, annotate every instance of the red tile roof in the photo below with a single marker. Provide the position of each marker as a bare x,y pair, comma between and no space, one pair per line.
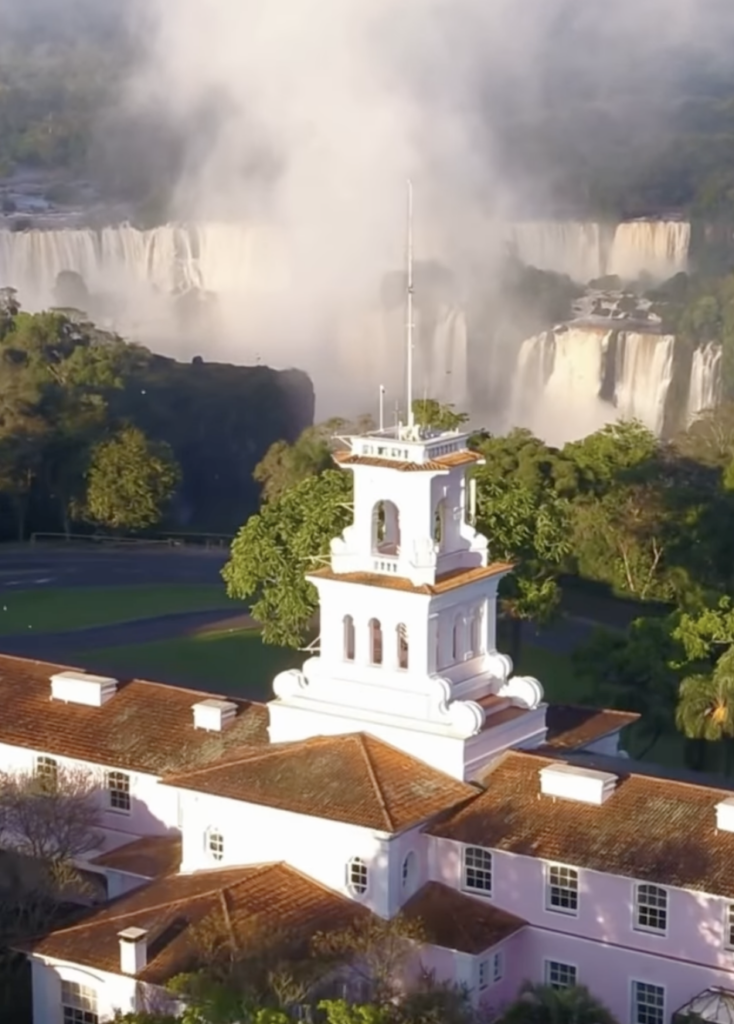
455,921
252,900
352,778
144,727
650,828
571,727
149,857
444,583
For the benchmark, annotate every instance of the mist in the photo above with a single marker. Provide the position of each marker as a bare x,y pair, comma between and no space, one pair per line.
304,124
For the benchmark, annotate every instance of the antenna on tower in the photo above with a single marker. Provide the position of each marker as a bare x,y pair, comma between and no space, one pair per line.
409,318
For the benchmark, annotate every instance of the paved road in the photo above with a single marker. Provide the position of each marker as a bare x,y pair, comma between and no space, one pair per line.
76,566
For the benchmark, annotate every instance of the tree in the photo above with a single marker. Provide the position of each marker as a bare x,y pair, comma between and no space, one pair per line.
375,949
705,708
129,481
531,528
46,822
430,413
274,549
52,817
285,465
634,671
542,1004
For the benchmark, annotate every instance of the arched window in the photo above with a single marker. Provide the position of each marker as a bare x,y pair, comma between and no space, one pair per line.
385,528
438,522
215,844
408,872
348,638
476,632
402,634
457,638
375,642
357,876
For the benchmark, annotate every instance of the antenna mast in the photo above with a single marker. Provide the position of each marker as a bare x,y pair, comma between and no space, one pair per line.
409,321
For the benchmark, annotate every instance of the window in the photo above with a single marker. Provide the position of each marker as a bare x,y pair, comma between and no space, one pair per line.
402,635
483,974
651,908
563,889
558,975
78,1004
47,773
215,844
456,638
729,926
375,642
498,966
118,787
357,876
348,638
438,519
648,1003
477,869
408,871
476,632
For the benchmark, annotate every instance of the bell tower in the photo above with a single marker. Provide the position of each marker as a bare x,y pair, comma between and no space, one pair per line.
408,608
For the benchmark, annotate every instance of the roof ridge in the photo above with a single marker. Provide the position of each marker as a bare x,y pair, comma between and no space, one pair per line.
131,913
362,740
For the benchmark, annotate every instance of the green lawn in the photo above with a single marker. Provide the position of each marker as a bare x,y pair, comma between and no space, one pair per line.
62,609
236,661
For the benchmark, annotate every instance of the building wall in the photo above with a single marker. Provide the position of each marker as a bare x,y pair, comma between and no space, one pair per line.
255,834
114,991
603,929
153,811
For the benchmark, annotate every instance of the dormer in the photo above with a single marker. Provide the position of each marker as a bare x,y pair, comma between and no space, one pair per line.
584,785
412,506
76,687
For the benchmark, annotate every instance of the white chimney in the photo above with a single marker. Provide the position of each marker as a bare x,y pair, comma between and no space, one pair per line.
213,715
725,815
80,688
133,950
568,782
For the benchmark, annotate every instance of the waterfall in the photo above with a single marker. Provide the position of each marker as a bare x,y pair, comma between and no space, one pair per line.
705,387
219,258
643,372
566,247
658,248
563,378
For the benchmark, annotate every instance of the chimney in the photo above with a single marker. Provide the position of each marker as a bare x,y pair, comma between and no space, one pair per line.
725,815
569,782
213,715
82,688
133,950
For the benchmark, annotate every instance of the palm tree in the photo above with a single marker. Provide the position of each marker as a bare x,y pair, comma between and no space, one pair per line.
543,1004
705,708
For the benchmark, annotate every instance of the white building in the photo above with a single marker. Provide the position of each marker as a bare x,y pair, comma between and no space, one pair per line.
404,767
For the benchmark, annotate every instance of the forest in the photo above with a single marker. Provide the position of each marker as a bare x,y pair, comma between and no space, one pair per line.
620,513
99,434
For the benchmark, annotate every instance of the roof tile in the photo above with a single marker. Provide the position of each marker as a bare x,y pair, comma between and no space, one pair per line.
650,828
455,921
260,899
149,857
352,778
145,727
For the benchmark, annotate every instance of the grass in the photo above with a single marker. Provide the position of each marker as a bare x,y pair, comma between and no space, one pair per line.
62,609
239,662
235,661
